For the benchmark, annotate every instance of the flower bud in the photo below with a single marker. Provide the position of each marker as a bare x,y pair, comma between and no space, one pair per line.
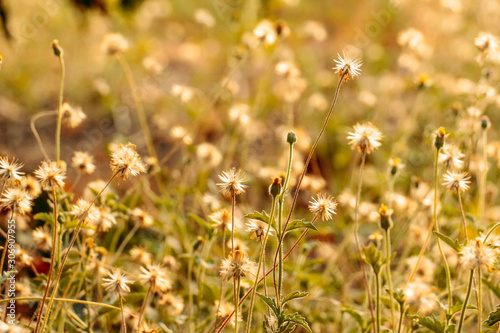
275,188
291,137
485,123
440,136
58,51
385,217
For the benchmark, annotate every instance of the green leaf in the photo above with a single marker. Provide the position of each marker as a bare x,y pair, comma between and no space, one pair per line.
493,318
201,222
300,224
453,244
270,302
46,217
298,319
430,322
354,314
263,216
494,287
294,295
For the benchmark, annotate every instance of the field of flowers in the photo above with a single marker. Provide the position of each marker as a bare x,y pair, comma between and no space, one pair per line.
269,166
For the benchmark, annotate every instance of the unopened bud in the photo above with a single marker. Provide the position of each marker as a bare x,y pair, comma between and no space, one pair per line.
58,51
275,188
291,137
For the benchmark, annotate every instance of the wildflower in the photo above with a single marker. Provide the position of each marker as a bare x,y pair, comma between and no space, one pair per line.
478,255
440,135
51,174
385,217
458,182
365,138
486,43
232,183
155,277
222,219
324,207
225,309
239,245
451,156
421,296
79,211
395,165
237,265
31,185
9,171
41,238
139,216
174,304
125,161
347,67
266,32
257,229
141,255
376,237
16,199
105,219
117,282
208,155
73,116
83,162
114,44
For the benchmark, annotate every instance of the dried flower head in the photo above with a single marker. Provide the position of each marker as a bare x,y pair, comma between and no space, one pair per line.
17,200
266,31
456,181
232,183
222,219
83,162
347,67
31,185
141,217
324,206
117,282
174,304
114,44
42,238
51,174
73,116
365,138
81,210
258,229
105,219
125,161
451,157
9,171
237,264
141,255
486,43
155,277
478,255
225,309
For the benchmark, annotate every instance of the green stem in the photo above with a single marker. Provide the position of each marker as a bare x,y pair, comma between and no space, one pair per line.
124,325
356,237
464,222
233,206
71,243
261,261
65,300
479,301
388,273
60,111
124,243
482,183
378,300
464,307
190,292
35,132
491,230
401,316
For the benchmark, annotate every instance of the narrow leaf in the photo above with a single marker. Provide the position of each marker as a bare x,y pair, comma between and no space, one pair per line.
270,302
294,295
261,216
300,224
453,244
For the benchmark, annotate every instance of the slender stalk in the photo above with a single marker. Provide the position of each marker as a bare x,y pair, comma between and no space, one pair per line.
479,301
60,110
236,281
2,261
491,230
233,208
464,222
138,105
464,307
190,292
401,316
261,261
125,242
71,243
388,255
482,182
124,325
221,280
52,258
306,165
226,321
35,132
356,237
280,231
377,282
64,300
143,308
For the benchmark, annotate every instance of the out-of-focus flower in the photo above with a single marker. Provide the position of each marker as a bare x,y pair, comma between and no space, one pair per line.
324,206
72,116
232,183
237,264
17,200
114,44
257,229
125,161
155,277
83,162
451,157
478,255
365,138
51,174
347,67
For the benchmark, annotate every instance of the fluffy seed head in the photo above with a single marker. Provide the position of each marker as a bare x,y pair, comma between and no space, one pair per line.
114,44
51,174
347,67
232,183
365,138
222,219
478,255
257,229
9,171
125,161
117,282
16,199
237,264
155,277
324,206
83,162
456,181
451,157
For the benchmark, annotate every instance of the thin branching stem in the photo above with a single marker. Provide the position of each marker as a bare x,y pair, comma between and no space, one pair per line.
464,307
143,308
